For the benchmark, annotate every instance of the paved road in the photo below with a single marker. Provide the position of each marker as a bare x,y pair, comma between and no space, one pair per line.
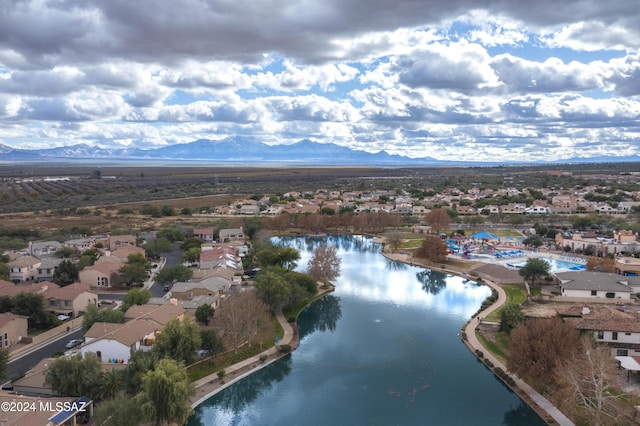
21,365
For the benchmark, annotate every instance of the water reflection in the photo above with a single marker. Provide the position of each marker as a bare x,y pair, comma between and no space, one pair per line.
432,281
383,349
323,317
394,265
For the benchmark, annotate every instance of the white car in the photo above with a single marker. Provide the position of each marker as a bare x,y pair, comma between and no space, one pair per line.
63,317
73,343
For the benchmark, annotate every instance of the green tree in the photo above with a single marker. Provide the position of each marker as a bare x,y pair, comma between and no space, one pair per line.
75,376
92,315
65,252
165,394
204,313
121,410
140,362
534,268
32,305
158,245
135,296
534,241
171,234
110,384
179,340
66,273
210,341
4,271
510,317
4,361
172,274
191,243
274,289
191,255
135,271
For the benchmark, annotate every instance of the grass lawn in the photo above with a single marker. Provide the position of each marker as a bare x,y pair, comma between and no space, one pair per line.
492,347
515,294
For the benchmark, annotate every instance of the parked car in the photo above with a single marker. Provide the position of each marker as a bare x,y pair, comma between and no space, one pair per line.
73,343
63,317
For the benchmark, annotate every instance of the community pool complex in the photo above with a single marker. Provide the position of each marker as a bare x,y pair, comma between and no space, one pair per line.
557,265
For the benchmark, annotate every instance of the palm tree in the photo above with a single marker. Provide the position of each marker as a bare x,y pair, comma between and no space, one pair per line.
534,268
111,384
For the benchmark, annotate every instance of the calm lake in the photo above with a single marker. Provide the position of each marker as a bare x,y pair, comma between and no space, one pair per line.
383,349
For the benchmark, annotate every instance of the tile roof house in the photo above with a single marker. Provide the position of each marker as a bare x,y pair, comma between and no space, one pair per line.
209,290
10,289
42,249
594,285
24,268
233,234
12,329
113,343
205,234
160,314
102,274
71,300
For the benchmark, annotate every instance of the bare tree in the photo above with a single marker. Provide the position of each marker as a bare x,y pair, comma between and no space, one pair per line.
324,265
438,219
432,249
393,238
539,346
242,317
588,379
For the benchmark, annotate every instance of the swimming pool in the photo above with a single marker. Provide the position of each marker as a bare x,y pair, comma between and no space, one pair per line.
556,265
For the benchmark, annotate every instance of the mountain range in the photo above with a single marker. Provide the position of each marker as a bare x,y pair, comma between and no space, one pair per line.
240,150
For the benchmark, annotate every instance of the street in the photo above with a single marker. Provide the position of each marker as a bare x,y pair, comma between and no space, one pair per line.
21,365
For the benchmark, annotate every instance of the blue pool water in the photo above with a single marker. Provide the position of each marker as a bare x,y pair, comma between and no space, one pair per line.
556,265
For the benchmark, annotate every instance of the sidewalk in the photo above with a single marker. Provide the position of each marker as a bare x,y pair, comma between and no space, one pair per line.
210,385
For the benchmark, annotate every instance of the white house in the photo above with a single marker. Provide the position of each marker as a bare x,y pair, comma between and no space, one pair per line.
113,343
588,284
537,210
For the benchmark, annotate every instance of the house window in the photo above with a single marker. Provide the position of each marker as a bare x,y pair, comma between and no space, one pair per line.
600,334
610,295
190,295
614,335
622,352
627,334
67,303
594,292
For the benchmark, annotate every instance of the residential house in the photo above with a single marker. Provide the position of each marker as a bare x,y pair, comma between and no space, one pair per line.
113,343
42,249
249,210
205,234
588,284
160,314
118,241
11,290
537,210
71,300
102,274
12,329
611,326
221,257
124,251
233,234
194,293
47,268
24,268
419,210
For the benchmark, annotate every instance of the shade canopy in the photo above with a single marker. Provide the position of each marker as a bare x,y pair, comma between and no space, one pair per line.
484,235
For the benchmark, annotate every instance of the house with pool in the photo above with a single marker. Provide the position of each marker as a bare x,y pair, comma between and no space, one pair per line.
594,285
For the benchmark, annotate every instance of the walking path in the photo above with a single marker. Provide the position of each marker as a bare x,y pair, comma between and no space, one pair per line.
210,385
473,343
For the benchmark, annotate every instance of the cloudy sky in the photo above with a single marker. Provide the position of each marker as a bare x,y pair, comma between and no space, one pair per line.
462,79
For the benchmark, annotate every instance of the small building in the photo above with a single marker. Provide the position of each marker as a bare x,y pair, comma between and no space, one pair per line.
205,234
212,287
24,268
12,329
103,274
42,249
587,284
71,300
118,241
233,234
47,268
